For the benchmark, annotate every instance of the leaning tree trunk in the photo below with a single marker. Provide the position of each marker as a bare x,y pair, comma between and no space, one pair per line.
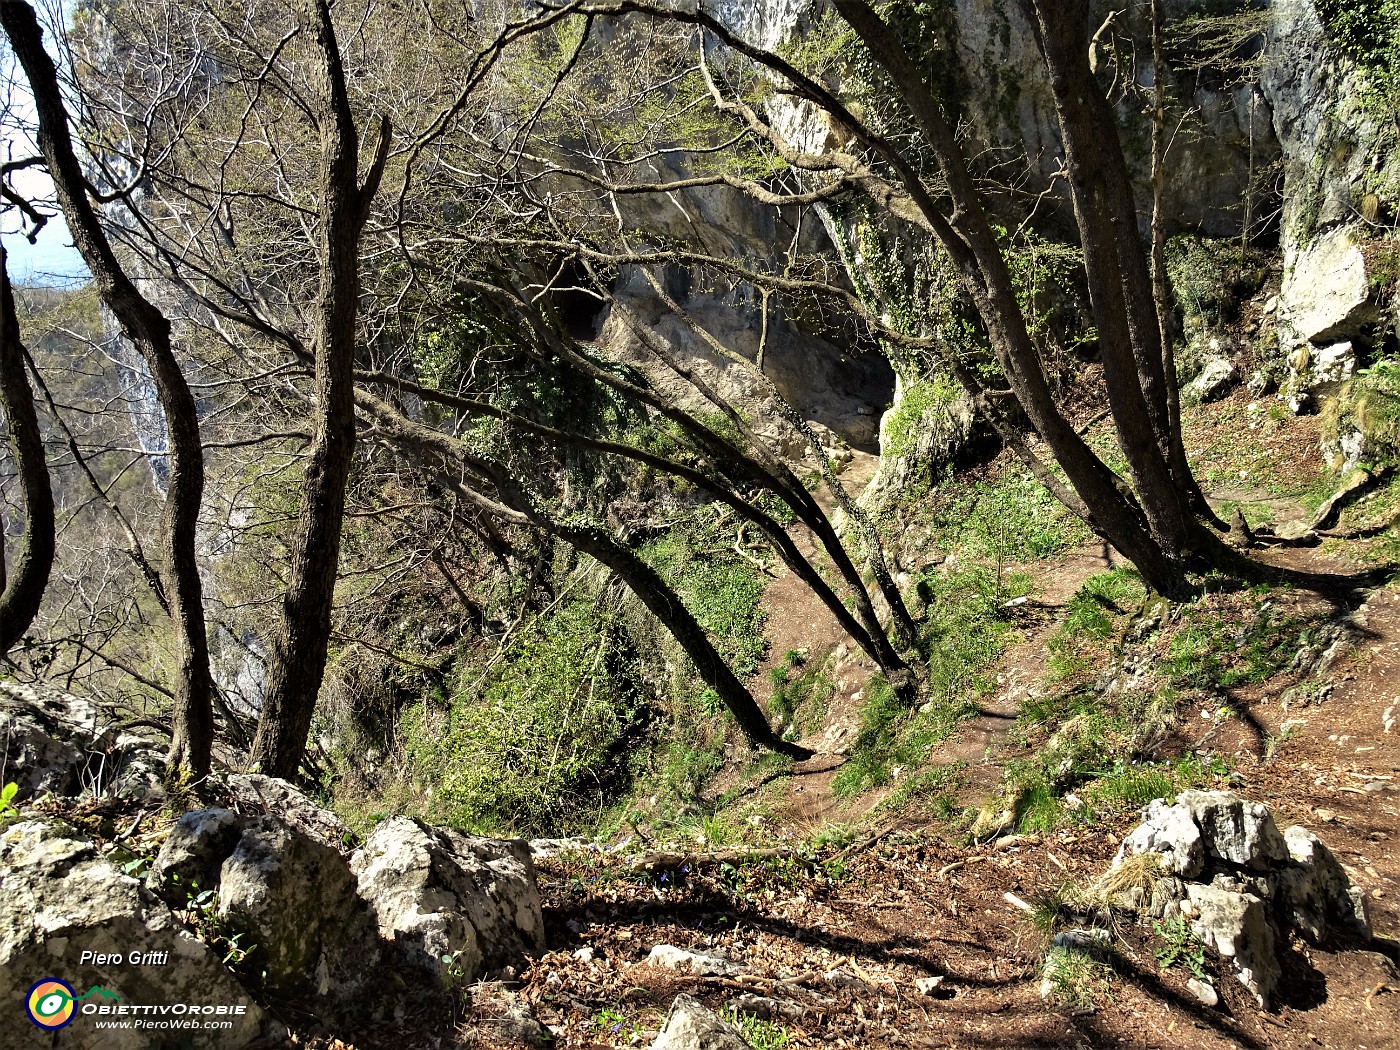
1119,277
300,650
24,586
985,278
149,331
640,578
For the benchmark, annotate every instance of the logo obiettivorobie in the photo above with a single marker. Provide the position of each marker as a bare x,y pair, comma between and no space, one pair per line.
50,1003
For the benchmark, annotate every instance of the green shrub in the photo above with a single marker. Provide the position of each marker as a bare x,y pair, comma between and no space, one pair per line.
720,587
539,740
1368,32
1012,517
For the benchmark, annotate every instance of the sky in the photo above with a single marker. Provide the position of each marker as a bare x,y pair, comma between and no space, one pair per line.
52,259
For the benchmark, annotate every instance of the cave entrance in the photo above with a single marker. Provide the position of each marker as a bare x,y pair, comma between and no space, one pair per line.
580,308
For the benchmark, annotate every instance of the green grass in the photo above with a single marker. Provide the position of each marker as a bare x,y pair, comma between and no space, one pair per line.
721,588
963,636
1092,616
1078,977
1215,652
758,1033
1074,763
800,688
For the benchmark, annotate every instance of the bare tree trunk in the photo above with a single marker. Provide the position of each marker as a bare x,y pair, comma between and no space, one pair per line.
666,606
1120,289
24,586
299,654
984,276
149,330
645,582
1161,283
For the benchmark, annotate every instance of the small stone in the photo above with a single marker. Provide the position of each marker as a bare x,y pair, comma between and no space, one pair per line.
690,1026
698,963
1204,991
1214,381
1325,815
927,985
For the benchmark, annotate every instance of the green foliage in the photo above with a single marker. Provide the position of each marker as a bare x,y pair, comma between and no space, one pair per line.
1040,268
721,588
1181,947
758,1033
907,421
1078,976
1370,404
963,635
8,811
1215,652
201,914
1211,278
1368,33
1011,517
798,686
533,742
1073,762
616,1023
1091,617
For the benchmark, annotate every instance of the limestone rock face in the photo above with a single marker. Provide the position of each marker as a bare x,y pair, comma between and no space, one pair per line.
294,898
1234,830
61,899
690,1026
1316,890
447,901
52,741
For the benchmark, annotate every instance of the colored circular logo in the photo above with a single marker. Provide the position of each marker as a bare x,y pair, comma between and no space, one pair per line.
50,1003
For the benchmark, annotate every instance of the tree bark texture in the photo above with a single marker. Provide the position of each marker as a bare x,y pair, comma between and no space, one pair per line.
149,331
298,664
28,572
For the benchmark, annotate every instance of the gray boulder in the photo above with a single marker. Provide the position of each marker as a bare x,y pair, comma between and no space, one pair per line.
52,741
1234,830
62,900
1171,833
193,854
1327,295
690,1026
294,898
451,904
1316,890
1237,926
1216,378
1224,865
256,793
